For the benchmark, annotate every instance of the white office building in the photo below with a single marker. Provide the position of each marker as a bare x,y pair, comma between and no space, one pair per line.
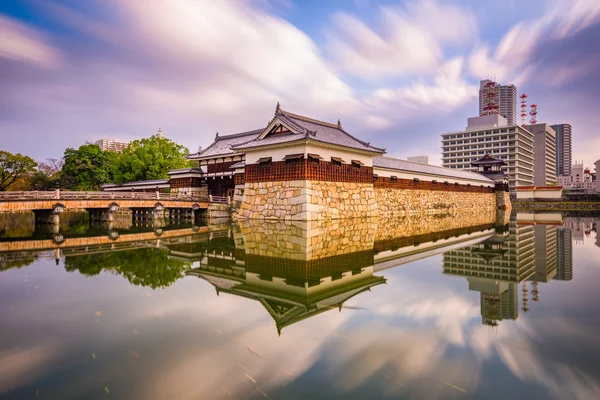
491,134
544,143
114,145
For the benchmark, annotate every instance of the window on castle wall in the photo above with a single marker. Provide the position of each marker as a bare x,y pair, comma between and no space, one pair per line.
336,161
314,158
264,161
294,158
356,163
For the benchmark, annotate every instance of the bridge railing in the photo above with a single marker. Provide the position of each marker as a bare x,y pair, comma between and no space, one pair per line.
72,195
218,199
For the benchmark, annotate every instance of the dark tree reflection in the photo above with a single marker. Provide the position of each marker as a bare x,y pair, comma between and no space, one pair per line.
144,267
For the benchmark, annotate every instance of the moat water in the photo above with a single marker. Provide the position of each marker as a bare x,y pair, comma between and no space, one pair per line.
431,308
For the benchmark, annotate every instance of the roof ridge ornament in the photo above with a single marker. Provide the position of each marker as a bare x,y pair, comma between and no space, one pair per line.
278,109
339,124
217,136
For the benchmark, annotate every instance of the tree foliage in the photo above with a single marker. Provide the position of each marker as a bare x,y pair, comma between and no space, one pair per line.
87,168
143,267
149,158
13,167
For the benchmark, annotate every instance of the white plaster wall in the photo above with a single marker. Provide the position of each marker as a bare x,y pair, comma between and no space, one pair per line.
325,152
426,177
548,194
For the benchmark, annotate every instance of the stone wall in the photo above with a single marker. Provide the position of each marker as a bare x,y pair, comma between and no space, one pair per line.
393,202
307,200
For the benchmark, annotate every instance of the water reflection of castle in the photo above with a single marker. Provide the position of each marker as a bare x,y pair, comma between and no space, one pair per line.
297,270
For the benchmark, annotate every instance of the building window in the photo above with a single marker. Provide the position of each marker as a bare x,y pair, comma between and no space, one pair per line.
394,178
294,158
336,161
356,163
264,161
314,158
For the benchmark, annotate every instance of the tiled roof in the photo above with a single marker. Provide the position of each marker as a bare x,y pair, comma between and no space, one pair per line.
240,164
222,144
184,171
403,165
137,183
308,128
488,159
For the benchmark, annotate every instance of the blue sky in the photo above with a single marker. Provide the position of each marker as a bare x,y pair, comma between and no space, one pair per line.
397,73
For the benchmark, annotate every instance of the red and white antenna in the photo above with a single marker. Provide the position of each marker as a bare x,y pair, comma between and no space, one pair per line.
523,109
533,114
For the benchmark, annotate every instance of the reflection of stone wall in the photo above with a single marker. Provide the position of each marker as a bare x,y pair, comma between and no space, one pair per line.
390,228
307,200
400,202
308,240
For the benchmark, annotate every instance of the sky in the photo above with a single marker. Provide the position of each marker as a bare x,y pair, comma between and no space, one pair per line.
396,73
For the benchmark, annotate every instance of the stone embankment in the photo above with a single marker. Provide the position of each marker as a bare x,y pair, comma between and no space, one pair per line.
304,200
400,203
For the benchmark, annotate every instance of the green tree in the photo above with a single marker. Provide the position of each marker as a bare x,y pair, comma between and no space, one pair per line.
87,168
149,158
13,167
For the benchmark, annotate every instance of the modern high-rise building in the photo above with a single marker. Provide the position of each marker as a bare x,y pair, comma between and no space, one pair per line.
544,143
114,145
491,134
564,152
506,100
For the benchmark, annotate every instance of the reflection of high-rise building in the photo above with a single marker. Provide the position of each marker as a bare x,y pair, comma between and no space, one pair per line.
564,259
495,267
497,307
545,253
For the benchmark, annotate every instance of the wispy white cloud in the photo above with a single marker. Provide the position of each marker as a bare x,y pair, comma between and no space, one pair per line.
23,43
409,40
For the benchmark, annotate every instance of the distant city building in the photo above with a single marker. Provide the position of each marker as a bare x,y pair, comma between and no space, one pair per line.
544,143
114,145
506,100
580,180
491,134
419,159
597,166
564,152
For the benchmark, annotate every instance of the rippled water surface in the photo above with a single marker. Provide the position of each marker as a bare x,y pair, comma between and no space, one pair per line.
429,308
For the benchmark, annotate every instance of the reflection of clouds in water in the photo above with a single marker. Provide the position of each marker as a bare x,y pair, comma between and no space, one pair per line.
564,381
19,367
211,373
405,297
